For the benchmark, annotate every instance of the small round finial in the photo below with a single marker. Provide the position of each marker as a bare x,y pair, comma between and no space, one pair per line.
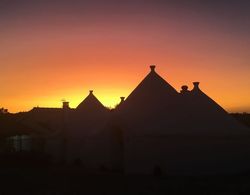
184,89
152,67
90,91
196,85
122,99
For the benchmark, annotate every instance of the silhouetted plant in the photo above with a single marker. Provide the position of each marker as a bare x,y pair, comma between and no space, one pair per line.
3,111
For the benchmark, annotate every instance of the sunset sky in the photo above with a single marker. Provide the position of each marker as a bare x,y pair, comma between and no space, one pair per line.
54,50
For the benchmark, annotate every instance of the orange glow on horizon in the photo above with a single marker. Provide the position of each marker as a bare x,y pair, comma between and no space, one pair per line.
111,96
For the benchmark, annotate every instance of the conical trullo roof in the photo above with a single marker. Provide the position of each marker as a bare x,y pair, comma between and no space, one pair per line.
150,92
148,102
85,132
90,103
205,116
90,117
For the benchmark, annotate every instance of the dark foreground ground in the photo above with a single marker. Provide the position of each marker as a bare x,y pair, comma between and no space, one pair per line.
58,180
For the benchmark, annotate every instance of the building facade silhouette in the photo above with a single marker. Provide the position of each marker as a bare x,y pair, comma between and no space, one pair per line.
154,130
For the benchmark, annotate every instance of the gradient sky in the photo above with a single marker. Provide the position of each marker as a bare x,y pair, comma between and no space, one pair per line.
53,50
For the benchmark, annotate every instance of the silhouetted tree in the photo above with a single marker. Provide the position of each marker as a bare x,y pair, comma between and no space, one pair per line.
3,111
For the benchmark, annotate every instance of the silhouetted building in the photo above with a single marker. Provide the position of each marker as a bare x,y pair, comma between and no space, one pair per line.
86,127
179,133
155,130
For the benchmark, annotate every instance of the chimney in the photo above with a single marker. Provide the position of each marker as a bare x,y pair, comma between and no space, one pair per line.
65,105
184,89
90,91
152,67
122,99
196,85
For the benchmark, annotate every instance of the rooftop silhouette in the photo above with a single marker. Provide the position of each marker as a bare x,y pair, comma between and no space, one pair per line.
154,130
